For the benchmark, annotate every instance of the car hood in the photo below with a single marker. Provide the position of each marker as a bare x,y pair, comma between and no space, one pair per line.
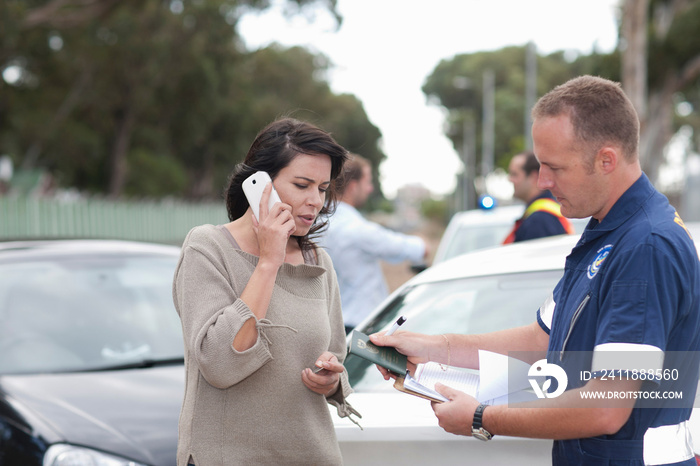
131,413
399,428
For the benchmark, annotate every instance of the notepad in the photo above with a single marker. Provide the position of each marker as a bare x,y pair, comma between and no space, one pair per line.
489,386
428,374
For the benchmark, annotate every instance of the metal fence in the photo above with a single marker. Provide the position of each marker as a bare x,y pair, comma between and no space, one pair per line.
160,222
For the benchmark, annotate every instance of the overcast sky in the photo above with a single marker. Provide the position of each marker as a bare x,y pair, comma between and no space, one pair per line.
385,49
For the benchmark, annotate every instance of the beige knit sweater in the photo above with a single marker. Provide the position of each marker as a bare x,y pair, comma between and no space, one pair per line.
251,407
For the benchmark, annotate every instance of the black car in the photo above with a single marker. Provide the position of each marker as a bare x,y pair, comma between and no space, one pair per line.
91,353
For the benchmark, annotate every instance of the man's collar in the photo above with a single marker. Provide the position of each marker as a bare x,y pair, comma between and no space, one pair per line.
629,203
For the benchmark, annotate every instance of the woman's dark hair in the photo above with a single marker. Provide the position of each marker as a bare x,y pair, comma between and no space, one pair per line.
273,149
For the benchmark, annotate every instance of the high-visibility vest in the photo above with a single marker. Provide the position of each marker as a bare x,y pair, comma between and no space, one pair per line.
541,205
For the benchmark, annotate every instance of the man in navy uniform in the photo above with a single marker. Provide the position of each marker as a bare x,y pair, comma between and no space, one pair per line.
542,216
626,312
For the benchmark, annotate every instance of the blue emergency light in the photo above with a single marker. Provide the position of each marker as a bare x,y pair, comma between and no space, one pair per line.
487,202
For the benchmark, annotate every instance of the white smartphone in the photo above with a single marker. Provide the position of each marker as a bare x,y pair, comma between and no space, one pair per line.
253,187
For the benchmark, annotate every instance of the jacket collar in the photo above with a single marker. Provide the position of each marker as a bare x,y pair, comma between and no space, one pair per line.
624,208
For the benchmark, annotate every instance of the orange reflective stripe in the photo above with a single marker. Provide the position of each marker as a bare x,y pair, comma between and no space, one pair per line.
511,236
547,205
551,206
568,227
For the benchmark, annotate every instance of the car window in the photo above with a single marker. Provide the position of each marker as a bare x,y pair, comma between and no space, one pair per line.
87,313
473,305
470,238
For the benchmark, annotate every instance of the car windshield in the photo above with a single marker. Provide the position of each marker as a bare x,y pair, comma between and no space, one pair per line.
87,313
469,305
470,238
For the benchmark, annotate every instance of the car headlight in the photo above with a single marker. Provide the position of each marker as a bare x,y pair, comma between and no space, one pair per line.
69,455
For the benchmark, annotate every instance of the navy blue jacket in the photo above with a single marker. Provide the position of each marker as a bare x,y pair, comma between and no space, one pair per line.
631,286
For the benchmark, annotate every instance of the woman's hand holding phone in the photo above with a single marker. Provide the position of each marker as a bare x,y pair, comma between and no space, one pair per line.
253,188
324,377
273,222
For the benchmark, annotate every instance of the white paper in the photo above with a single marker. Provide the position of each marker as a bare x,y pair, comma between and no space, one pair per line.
410,383
489,385
494,372
428,374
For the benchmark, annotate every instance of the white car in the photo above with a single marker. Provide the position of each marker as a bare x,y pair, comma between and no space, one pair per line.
478,229
477,292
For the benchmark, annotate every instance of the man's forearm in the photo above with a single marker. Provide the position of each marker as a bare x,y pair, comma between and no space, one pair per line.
464,349
571,415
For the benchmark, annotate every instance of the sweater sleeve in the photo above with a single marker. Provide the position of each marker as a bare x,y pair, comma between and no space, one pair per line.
212,315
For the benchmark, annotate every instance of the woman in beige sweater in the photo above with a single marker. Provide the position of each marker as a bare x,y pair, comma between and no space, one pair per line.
260,310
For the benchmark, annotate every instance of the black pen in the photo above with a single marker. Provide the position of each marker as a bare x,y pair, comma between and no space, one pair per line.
396,326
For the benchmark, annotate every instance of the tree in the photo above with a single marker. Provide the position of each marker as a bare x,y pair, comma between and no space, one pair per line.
658,63
289,82
155,98
68,13
661,36
457,85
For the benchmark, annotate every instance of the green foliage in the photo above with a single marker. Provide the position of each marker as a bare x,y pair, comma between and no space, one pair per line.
156,98
671,52
379,205
154,176
671,46
112,95
457,84
436,209
673,78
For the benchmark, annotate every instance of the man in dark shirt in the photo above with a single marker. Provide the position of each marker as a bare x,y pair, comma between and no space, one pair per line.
542,215
628,304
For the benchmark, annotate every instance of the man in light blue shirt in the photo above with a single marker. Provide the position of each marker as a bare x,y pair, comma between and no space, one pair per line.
357,246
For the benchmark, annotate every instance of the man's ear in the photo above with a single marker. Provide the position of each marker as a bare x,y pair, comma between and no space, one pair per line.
607,159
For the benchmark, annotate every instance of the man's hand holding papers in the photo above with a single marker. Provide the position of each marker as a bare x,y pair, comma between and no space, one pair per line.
490,385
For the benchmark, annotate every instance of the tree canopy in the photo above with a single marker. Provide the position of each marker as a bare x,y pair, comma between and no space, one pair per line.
126,97
155,98
670,53
457,84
